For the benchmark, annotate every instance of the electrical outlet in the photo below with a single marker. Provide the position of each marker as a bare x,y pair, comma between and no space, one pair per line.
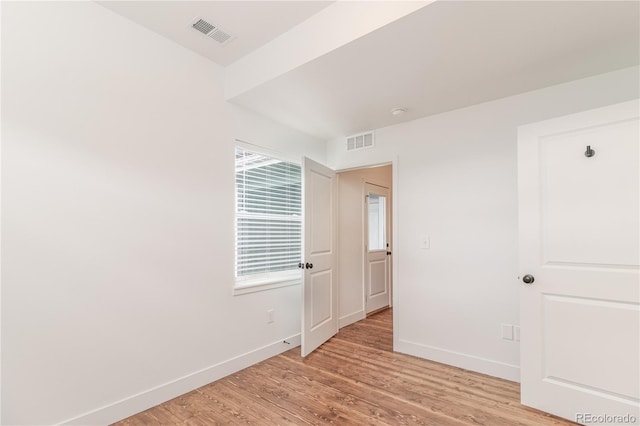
270,316
507,331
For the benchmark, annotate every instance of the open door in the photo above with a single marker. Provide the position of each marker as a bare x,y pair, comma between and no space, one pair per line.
377,247
578,189
320,286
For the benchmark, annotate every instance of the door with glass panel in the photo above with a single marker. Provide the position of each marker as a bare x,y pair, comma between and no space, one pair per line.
377,247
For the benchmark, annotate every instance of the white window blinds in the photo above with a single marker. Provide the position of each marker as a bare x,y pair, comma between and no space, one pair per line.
268,215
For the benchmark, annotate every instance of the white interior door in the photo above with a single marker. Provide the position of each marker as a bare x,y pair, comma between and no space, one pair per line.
578,238
377,247
320,287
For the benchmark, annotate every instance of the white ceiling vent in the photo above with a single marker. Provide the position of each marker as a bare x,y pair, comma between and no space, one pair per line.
213,31
360,141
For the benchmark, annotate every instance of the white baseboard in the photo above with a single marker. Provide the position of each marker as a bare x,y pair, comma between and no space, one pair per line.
351,318
457,359
152,397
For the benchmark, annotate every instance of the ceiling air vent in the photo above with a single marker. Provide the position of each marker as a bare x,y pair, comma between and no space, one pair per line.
210,30
360,141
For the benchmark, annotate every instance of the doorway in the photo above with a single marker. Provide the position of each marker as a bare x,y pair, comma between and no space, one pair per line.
364,228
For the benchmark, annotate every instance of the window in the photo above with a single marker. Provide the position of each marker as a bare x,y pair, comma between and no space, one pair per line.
268,220
377,222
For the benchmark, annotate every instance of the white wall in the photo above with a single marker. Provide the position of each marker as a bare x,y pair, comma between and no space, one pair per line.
456,182
351,254
117,220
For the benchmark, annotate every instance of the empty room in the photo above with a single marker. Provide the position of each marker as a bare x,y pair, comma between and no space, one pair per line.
320,212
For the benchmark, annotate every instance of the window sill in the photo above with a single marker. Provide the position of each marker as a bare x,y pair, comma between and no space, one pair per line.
262,284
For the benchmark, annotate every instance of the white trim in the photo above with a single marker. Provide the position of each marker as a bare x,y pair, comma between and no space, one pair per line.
351,318
259,149
0,238
368,166
150,398
395,258
458,359
250,286
376,184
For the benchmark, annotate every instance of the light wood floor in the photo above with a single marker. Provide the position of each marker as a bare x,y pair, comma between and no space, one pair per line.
354,378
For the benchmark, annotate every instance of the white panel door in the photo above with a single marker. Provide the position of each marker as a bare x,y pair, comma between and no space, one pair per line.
377,249
579,242
320,287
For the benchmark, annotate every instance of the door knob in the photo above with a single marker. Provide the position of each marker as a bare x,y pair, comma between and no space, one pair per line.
309,265
528,279
301,265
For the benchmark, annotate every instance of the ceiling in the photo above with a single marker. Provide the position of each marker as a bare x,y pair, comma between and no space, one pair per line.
254,23
442,56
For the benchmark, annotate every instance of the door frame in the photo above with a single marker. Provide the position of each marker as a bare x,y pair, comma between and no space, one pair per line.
395,258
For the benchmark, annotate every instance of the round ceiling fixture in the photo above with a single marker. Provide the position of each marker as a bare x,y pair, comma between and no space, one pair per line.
397,112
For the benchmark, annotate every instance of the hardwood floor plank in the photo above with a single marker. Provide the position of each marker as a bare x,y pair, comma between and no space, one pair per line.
402,362
347,394
386,405
328,404
252,406
272,411
412,391
354,378
288,397
434,373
